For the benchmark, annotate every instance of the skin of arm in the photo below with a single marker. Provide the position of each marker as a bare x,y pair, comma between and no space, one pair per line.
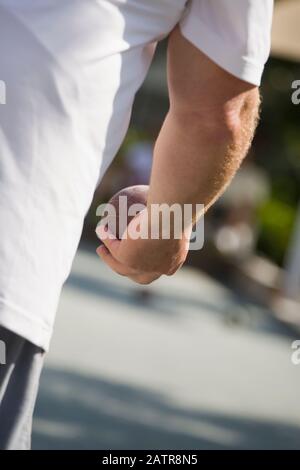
204,138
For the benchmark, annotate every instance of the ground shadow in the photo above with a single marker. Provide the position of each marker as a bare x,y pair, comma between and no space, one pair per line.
81,412
235,311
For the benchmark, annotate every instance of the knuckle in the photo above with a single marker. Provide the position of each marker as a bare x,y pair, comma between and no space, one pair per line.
174,269
146,280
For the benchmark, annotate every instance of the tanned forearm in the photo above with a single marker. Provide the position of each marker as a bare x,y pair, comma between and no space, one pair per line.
206,133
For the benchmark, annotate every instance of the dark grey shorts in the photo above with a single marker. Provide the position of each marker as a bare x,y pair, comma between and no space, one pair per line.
19,380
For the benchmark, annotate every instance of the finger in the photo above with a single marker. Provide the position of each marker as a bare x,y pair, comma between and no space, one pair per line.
174,270
115,265
145,279
108,239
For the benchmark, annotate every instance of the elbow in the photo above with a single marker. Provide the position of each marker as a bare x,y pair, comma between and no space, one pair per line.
217,127
229,125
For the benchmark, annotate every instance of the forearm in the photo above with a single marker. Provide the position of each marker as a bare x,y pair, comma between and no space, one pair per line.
207,132
194,163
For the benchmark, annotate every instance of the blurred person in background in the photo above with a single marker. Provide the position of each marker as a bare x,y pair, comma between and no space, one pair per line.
138,160
71,70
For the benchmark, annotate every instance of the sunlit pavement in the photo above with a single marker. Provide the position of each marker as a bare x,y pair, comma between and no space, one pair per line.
182,365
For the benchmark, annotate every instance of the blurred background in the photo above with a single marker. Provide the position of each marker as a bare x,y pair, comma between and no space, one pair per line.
203,359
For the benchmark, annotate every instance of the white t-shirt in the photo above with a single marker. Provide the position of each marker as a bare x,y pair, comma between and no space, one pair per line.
71,69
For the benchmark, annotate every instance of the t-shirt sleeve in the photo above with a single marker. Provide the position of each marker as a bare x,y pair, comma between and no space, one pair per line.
235,34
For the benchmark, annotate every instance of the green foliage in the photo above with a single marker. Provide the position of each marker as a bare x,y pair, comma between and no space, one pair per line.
276,220
277,150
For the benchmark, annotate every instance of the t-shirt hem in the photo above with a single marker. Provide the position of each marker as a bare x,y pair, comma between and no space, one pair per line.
231,61
22,323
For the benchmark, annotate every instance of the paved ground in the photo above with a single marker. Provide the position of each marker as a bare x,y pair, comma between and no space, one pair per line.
189,366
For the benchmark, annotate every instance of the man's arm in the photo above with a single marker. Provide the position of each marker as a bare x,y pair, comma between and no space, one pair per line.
207,131
204,138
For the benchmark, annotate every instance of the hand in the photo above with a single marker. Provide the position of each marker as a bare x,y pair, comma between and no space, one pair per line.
141,260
